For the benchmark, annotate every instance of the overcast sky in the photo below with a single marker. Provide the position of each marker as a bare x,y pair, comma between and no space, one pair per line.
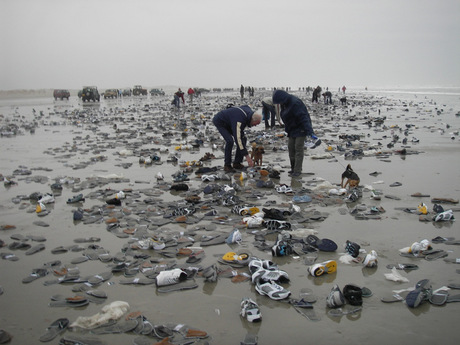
214,43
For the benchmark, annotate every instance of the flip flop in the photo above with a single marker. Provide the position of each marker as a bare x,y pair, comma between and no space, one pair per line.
139,281
439,239
396,297
99,278
75,339
340,312
436,255
453,298
310,259
439,297
56,328
36,273
452,242
68,303
453,286
185,285
219,239
305,309
59,250
119,327
35,249
9,256
307,295
452,261
406,267
444,201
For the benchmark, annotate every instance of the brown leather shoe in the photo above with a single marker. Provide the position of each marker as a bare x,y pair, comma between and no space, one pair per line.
238,166
195,333
228,168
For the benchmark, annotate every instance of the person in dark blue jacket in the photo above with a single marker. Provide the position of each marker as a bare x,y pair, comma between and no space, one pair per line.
297,125
231,123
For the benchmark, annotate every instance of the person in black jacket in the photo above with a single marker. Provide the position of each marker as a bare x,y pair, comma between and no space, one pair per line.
231,123
297,125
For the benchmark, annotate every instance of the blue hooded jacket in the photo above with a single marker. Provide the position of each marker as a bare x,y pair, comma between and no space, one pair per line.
294,113
235,120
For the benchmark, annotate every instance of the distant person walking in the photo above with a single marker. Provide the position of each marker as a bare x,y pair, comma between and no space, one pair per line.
242,91
297,124
191,94
178,95
343,89
231,123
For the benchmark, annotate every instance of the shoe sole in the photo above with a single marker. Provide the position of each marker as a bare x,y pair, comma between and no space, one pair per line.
325,267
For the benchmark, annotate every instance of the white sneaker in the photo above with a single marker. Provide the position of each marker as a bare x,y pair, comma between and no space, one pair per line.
170,277
250,310
47,199
272,290
253,222
234,237
313,142
446,215
120,195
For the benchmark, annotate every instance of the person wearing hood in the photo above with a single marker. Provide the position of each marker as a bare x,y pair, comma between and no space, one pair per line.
297,125
231,123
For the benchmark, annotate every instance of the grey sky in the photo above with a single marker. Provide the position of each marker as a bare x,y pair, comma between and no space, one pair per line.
213,43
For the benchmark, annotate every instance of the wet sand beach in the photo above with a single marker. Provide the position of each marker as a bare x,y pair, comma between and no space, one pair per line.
94,149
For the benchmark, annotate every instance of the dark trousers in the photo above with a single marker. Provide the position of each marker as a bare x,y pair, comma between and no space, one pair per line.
229,140
296,152
269,113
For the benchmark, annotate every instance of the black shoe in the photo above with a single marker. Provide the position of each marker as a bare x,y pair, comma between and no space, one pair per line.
238,166
229,169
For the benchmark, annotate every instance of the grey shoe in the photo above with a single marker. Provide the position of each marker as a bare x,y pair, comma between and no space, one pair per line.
335,298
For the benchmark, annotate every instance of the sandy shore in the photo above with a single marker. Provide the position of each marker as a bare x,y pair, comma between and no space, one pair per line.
77,144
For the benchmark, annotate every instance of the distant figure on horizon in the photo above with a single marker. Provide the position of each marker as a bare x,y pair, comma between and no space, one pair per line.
242,91
343,89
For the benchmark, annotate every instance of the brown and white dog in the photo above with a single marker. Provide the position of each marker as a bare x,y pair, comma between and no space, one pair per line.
352,178
257,154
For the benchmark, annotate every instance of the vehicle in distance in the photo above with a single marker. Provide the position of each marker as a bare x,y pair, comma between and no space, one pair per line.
111,93
127,92
138,90
61,94
90,93
157,92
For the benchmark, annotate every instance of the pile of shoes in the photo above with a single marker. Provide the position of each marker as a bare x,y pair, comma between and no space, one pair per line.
267,276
